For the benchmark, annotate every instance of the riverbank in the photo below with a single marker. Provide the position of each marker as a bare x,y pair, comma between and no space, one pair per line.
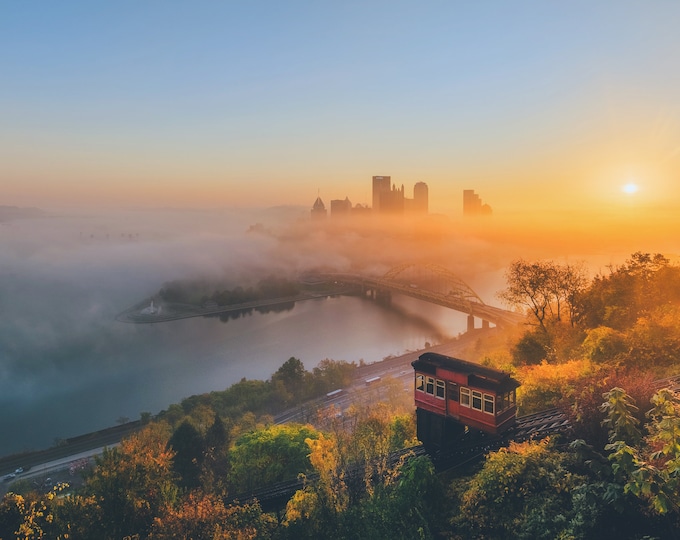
151,310
396,365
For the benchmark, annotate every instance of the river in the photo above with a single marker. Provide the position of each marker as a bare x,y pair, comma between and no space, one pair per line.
68,367
147,367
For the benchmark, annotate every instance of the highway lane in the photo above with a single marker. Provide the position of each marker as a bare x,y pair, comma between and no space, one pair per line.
41,473
398,367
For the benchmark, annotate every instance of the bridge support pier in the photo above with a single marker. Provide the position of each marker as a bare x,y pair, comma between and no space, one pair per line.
485,324
470,322
367,292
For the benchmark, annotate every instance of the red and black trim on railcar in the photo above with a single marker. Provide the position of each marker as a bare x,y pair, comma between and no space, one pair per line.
451,393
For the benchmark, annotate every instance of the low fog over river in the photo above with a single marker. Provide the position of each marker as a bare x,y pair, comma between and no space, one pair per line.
67,367
82,387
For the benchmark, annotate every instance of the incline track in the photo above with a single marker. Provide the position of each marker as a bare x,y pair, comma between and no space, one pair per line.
276,496
473,445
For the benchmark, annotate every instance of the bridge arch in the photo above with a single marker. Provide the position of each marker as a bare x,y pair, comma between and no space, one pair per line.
431,283
448,283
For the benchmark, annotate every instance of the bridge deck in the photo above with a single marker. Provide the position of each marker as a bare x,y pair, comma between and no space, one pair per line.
461,299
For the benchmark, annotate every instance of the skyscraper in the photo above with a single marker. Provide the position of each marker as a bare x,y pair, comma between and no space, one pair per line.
472,204
341,207
381,187
420,198
319,209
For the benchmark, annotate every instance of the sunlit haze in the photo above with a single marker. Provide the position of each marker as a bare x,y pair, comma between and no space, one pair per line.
540,107
147,142
630,188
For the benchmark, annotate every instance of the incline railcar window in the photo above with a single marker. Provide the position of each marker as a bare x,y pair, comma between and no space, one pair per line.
488,404
429,386
465,397
477,400
440,389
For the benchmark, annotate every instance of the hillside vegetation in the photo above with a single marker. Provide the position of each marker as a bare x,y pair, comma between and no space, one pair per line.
592,347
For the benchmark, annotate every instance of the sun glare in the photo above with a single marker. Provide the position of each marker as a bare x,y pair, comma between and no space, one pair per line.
630,188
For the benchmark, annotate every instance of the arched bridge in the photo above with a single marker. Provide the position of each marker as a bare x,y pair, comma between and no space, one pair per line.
431,283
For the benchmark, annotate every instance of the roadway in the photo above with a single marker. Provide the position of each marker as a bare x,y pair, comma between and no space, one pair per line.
459,297
398,367
56,465
47,474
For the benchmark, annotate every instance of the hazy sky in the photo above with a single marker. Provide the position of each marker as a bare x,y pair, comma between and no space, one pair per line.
256,103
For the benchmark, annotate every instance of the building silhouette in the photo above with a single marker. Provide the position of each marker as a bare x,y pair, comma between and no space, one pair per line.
319,209
381,186
420,198
341,208
472,204
388,199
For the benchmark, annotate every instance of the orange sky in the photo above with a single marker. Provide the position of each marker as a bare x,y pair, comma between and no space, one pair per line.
542,109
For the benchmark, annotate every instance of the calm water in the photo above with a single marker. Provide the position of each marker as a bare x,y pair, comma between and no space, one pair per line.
67,367
135,368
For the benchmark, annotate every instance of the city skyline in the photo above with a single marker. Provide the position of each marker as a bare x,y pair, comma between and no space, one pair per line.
539,107
387,199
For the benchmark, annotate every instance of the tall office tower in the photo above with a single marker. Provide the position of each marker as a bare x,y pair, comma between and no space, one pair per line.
319,209
392,201
472,204
341,207
381,186
420,198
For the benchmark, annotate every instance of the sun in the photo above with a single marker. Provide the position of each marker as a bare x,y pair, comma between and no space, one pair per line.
630,188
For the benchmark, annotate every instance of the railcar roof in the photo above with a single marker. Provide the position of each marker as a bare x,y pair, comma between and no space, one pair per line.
478,375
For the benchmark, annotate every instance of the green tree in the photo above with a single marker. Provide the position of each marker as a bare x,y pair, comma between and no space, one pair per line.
629,291
569,282
522,491
12,512
330,375
318,508
651,471
406,504
620,410
532,348
289,379
268,455
545,288
388,500
528,285
604,344
583,404
189,448
202,516
654,338
132,484
402,431
215,460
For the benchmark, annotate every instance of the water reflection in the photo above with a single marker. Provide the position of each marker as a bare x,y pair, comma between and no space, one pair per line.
134,368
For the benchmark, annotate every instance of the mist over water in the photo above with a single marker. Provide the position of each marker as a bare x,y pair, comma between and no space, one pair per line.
68,367
148,367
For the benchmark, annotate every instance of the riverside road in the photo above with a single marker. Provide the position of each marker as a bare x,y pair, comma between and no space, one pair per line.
88,445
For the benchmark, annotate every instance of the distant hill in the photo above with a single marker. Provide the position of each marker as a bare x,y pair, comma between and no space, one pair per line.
9,213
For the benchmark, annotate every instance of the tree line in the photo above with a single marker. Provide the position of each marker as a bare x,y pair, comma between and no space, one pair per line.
198,292
627,316
593,347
